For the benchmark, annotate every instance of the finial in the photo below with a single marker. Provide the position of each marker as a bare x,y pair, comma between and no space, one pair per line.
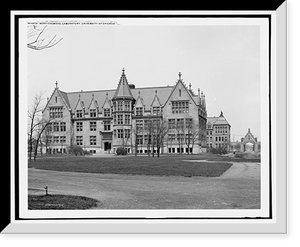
190,86
139,92
179,75
155,91
123,71
198,91
56,83
79,96
221,115
106,94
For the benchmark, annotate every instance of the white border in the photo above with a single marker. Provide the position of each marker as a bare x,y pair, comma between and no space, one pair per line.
159,227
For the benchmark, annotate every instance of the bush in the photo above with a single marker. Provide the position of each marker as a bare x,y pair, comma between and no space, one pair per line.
219,150
121,151
77,150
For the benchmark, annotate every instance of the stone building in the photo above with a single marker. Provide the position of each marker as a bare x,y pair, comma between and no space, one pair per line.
218,132
101,121
249,143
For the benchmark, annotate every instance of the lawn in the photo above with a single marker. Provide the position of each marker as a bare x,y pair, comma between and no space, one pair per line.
176,165
69,202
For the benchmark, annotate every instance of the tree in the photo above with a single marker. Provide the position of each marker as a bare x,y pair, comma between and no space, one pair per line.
180,132
37,40
160,130
192,133
33,114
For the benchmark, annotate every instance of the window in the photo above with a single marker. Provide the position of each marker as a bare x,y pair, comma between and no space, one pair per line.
156,110
120,133
139,125
127,106
139,111
189,123
120,106
139,139
179,92
79,140
106,112
55,126
93,126
106,125
180,123
55,139
171,137
93,113
127,119
56,112
180,107
62,126
92,140
62,139
79,113
79,126
127,133
216,138
180,137
171,124
120,118
48,139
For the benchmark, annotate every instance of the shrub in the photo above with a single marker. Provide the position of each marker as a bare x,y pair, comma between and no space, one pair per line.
121,151
77,150
219,150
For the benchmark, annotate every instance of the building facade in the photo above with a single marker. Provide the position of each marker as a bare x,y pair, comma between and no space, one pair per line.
166,119
218,132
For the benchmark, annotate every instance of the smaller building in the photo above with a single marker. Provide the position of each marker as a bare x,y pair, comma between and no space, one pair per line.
218,132
249,143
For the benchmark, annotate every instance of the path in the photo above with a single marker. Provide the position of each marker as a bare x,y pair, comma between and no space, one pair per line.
238,187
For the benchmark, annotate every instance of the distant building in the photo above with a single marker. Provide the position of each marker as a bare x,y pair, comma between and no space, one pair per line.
249,143
101,121
218,132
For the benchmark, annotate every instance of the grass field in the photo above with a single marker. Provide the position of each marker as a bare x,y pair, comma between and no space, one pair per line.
69,202
176,165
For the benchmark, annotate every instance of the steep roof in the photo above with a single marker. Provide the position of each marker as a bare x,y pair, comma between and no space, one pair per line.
123,90
146,94
221,120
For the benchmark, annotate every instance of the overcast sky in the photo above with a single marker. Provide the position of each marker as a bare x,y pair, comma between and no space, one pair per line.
223,61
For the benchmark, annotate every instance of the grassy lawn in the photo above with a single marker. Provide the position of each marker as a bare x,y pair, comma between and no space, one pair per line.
40,202
175,165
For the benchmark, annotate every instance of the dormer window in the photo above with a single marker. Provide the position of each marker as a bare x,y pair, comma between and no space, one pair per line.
156,110
93,113
139,111
106,112
79,113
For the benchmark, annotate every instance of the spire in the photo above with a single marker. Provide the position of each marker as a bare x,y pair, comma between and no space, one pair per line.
123,90
221,115
56,83
179,75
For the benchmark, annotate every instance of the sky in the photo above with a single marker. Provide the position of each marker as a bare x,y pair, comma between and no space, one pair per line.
223,61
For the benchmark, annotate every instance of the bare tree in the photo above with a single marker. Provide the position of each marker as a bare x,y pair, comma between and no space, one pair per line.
34,122
161,129
39,40
180,132
192,133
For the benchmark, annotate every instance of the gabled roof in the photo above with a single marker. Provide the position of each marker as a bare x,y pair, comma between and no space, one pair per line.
155,101
180,81
123,90
221,120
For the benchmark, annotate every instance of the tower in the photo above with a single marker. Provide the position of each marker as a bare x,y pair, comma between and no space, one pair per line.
123,103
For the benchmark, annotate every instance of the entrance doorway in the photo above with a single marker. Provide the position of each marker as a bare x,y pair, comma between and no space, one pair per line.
249,147
107,146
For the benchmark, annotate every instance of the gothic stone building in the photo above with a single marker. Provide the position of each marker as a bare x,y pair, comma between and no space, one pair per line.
101,121
218,132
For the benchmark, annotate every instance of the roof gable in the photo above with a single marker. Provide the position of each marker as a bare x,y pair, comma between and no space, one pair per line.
180,92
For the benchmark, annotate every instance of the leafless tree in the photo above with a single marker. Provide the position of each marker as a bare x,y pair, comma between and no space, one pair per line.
192,133
39,40
34,122
160,130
